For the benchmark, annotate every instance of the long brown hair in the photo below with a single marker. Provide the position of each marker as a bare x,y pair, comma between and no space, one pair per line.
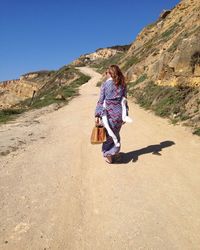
116,74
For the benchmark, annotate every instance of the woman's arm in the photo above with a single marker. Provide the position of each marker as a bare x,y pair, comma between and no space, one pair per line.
99,108
125,95
125,91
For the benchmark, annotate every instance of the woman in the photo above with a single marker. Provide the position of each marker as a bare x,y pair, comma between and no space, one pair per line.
109,109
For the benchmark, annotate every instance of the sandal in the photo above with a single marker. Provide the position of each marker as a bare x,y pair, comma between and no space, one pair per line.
117,157
109,159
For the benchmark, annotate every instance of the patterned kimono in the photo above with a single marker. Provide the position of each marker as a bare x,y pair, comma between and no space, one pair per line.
109,104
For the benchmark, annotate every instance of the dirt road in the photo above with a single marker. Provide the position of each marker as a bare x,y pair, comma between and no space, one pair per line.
59,193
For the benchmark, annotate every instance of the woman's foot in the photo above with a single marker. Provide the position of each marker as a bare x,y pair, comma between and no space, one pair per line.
117,157
109,159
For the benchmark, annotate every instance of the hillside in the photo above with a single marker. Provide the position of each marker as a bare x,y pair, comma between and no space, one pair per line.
39,89
15,91
167,51
162,68
162,65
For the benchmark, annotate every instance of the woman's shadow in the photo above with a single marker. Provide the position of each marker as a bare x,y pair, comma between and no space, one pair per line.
134,155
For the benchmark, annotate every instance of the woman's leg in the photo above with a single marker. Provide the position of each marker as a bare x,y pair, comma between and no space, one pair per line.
108,147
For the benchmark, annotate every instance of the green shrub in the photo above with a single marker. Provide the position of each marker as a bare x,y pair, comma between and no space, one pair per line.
99,83
66,91
164,100
184,117
151,25
139,80
129,62
169,31
174,45
197,131
9,114
195,60
103,64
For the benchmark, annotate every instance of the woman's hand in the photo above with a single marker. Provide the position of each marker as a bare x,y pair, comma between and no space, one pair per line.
97,120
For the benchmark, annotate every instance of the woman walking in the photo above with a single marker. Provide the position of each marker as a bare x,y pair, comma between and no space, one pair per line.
109,110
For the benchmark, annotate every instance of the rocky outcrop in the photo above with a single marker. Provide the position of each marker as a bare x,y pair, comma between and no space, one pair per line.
99,55
122,48
162,65
32,84
14,91
166,49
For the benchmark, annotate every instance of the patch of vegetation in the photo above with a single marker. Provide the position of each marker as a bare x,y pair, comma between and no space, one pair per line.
66,91
165,101
174,121
184,117
170,31
46,97
195,60
99,83
184,34
40,72
148,44
129,62
119,47
174,45
195,29
150,47
139,80
151,25
102,65
197,131
9,114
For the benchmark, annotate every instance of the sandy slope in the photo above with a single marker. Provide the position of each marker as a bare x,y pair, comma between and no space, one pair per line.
58,193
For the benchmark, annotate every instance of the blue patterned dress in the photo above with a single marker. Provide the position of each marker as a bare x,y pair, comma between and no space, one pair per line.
112,94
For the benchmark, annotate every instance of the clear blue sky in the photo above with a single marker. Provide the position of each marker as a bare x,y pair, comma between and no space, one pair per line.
41,34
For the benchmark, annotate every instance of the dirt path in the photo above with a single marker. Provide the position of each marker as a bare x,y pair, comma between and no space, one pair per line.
58,193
